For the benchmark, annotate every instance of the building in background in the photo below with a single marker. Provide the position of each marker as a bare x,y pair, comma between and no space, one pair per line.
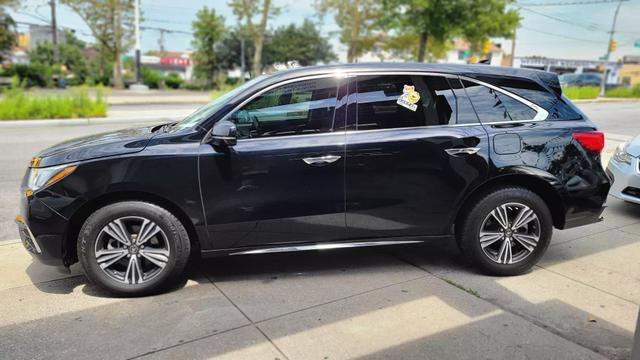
570,66
168,62
629,73
460,53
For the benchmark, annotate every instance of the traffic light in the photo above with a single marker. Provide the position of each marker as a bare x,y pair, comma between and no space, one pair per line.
486,46
612,45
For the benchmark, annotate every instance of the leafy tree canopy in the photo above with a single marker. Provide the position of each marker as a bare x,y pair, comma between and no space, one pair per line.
302,43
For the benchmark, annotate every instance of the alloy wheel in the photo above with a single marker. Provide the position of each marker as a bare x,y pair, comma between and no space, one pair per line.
509,233
132,250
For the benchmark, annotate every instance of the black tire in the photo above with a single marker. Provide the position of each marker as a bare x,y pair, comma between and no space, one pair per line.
173,235
468,231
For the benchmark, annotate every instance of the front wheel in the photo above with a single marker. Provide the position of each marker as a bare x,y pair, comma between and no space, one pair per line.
506,231
133,248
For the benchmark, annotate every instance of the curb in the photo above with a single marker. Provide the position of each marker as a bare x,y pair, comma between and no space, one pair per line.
604,100
88,121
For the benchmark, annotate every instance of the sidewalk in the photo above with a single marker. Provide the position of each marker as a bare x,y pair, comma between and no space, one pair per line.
406,302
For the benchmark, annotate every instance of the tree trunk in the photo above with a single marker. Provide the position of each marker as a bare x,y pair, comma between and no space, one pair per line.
259,38
117,72
422,46
117,48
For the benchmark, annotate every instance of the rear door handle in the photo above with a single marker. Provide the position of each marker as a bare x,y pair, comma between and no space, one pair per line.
321,160
462,151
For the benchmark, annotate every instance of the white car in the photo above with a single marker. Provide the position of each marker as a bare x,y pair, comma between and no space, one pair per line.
624,170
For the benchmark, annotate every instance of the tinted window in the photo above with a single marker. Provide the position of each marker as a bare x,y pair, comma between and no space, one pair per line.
486,102
304,107
396,101
557,107
494,106
466,114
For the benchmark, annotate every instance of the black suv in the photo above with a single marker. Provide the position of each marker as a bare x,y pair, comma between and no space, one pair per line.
320,158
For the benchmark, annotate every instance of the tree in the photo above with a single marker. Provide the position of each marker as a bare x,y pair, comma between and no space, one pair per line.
111,23
229,50
69,55
302,43
247,10
8,37
441,20
357,20
208,31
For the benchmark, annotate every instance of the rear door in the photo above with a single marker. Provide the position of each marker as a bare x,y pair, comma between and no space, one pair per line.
415,147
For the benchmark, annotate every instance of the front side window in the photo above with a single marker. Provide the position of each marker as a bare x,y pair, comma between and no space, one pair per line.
494,106
298,108
398,101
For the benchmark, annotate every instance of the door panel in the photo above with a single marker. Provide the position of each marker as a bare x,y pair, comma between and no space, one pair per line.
402,182
283,182
400,178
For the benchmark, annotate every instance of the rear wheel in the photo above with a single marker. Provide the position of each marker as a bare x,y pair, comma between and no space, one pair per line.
133,248
506,231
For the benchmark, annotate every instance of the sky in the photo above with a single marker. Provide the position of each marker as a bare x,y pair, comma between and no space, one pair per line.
568,32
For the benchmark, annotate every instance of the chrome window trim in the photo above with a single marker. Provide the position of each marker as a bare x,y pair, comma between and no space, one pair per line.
541,114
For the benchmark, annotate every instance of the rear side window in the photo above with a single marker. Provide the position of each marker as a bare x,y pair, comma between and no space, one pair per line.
494,106
303,107
397,101
558,108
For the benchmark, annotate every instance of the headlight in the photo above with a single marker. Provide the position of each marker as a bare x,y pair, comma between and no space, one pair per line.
42,177
621,154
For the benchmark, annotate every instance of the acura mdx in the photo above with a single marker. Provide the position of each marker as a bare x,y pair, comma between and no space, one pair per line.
320,158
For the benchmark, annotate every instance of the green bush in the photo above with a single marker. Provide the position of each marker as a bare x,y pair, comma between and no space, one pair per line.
16,104
30,74
173,81
624,92
581,92
151,78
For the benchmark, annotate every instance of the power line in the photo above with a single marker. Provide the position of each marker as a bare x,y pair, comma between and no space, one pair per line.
584,2
593,27
564,36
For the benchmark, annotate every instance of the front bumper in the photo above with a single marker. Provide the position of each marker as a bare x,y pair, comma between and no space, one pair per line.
41,231
626,180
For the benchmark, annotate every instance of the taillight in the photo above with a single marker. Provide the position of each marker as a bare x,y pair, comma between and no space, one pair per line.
590,141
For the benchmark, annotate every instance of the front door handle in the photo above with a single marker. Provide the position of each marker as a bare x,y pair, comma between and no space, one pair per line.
462,151
321,160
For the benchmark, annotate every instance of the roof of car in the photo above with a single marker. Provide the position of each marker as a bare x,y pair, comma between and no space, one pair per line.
546,79
456,69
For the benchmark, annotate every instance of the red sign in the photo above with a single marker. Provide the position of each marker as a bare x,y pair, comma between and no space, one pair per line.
175,61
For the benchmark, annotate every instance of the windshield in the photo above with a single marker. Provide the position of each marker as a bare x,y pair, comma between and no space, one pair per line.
207,110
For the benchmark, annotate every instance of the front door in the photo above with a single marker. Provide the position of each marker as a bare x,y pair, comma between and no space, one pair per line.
414,151
284,180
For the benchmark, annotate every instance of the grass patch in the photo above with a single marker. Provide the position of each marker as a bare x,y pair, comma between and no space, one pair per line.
624,92
581,92
470,291
16,104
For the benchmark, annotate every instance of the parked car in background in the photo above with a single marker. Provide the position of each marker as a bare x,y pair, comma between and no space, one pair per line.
584,79
323,158
624,171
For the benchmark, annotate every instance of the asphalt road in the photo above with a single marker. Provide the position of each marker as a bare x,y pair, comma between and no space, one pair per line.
17,145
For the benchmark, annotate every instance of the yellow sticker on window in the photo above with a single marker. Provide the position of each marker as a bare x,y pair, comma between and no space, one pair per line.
409,98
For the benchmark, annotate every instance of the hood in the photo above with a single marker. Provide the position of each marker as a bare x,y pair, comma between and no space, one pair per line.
633,148
95,146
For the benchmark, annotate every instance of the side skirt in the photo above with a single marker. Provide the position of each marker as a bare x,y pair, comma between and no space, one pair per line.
317,246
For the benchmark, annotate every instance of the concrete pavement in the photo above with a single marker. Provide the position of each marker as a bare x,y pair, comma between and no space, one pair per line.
411,302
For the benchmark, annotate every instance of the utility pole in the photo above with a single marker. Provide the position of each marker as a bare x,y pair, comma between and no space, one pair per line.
137,40
161,41
513,46
242,63
54,31
603,83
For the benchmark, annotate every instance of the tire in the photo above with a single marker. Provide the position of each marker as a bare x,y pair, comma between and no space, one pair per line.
490,251
154,259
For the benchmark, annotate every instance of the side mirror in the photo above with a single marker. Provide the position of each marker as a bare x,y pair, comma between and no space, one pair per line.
224,133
